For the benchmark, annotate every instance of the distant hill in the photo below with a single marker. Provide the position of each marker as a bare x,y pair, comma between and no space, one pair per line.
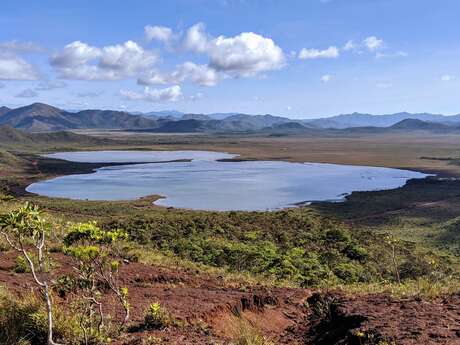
163,113
13,136
368,120
39,117
200,117
415,124
109,119
4,110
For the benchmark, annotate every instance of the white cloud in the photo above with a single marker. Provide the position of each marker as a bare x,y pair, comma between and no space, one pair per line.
373,43
20,47
15,68
447,77
169,94
196,39
326,78
158,33
199,74
329,53
50,85
350,45
27,93
79,60
244,55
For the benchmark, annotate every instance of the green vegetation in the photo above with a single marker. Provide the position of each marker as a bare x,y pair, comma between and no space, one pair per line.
24,228
24,322
403,242
98,266
294,245
246,334
157,317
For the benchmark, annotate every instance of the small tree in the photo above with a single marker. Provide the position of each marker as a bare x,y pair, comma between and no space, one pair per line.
393,242
97,266
23,229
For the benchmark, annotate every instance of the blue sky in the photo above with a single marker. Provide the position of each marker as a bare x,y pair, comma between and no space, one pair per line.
300,59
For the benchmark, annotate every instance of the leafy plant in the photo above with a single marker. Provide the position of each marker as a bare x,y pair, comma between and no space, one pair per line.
158,317
26,227
98,266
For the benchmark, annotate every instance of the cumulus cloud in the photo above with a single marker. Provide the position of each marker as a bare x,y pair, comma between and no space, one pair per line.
196,39
326,78
199,74
329,53
246,54
50,85
169,94
158,33
373,43
15,68
27,93
78,60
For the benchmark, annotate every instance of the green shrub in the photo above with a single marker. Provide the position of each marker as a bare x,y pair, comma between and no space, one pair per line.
158,318
246,334
24,321
349,273
21,265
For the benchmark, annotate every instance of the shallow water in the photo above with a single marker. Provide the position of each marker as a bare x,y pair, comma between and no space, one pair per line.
207,184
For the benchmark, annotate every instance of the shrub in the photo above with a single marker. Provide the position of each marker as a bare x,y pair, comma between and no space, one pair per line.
158,318
246,334
21,265
348,272
24,321
95,251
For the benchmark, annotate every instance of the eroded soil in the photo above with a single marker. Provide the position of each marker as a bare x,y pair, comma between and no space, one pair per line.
210,310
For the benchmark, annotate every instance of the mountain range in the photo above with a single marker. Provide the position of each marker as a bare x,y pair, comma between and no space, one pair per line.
39,117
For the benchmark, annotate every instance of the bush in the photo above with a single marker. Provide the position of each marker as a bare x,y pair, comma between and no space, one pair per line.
158,318
24,321
21,265
348,272
246,334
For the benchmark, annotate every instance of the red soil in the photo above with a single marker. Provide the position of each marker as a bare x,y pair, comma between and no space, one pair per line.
211,310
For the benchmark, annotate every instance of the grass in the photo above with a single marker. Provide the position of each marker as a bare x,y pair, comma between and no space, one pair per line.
422,288
23,321
247,334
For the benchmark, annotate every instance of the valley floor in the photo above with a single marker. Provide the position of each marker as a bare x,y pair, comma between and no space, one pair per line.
217,301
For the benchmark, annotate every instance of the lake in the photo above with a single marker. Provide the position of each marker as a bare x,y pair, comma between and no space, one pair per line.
205,183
